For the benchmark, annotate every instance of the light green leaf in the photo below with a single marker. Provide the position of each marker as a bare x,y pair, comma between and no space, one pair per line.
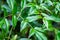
30,5
33,11
32,32
45,8
33,5
14,38
23,25
23,4
7,25
47,24
40,29
57,8
6,7
58,35
40,36
12,4
53,18
33,18
14,21
49,2
40,1
45,21
25,39
29,0
9,3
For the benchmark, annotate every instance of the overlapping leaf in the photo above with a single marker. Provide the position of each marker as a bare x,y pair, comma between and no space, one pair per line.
12,4
53,18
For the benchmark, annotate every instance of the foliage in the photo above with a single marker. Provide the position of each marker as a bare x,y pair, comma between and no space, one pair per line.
29,19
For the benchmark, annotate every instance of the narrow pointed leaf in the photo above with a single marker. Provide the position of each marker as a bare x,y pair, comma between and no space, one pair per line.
12,4
33,11
53,18
32,32
41,36
14,21
23,25
1,23
33,18
7,25
23,4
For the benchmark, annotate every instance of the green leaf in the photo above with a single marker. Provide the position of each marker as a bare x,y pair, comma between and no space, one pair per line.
40,29
23,25
9,3
25,39
45,21
40,1
32,32
6,7
47,24
40,36
1,23
7,25
45,8
14,21
14,38
57,8
58,35
23,4
33,18
33,11
29,0
0,5
5,12
30,5
53,18
12,4
33,5
49,2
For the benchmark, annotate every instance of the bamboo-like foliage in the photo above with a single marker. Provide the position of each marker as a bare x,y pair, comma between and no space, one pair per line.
29,20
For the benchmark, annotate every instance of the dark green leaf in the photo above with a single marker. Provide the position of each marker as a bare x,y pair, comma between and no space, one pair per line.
1,23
